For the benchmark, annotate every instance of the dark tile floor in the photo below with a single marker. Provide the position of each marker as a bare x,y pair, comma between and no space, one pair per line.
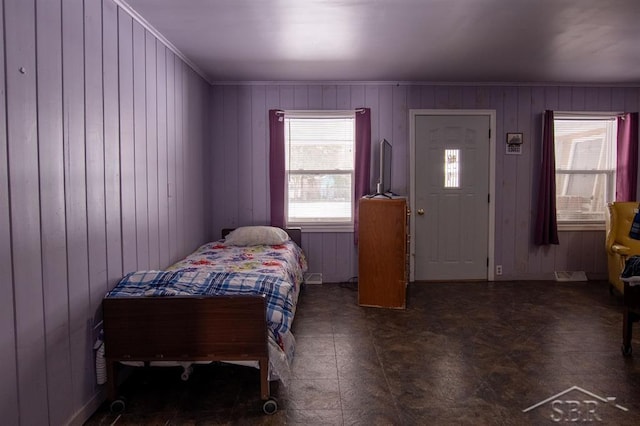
461,353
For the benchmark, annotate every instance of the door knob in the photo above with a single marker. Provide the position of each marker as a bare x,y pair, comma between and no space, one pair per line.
420,212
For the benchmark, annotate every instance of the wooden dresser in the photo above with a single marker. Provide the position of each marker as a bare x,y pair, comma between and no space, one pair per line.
382,252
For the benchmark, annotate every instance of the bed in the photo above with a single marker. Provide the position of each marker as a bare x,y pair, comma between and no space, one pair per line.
232,300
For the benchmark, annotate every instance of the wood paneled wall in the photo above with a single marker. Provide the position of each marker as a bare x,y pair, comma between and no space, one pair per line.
240,134
103,142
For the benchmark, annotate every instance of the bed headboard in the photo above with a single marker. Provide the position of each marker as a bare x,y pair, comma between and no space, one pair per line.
294,233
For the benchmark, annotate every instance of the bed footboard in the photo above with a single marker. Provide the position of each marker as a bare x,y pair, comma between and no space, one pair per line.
217,328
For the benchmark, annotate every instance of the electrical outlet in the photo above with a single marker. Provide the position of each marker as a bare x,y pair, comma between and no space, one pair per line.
498,269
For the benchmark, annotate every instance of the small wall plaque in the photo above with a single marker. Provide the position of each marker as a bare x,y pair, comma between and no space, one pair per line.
514,144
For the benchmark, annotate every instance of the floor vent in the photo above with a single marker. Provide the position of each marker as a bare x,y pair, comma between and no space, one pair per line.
313,278
571,276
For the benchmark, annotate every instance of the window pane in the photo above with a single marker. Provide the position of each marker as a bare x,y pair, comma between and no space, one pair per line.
584,197
319,197
452,168
585,167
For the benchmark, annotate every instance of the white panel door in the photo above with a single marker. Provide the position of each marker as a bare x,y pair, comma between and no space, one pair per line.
451,197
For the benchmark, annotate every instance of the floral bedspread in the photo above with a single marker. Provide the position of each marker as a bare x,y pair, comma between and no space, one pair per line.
285,261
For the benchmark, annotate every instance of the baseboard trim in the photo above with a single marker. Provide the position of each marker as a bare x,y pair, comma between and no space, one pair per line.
82,415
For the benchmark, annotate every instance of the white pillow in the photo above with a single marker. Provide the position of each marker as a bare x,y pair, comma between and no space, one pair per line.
255,236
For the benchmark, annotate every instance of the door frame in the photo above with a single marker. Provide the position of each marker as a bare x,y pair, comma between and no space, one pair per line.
413,113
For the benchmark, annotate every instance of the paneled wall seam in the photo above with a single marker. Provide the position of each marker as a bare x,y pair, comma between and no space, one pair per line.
66,177
112,142
104,145
42,251
22,151
9,231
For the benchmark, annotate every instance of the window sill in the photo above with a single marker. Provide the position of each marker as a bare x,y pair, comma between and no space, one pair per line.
316,227
577,226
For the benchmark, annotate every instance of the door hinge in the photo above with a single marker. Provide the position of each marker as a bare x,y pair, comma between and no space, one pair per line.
487,262
489,132
489,198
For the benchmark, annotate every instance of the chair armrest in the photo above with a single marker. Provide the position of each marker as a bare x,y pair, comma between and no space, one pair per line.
620,249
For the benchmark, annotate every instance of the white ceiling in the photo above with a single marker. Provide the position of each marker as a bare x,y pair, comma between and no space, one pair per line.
529,41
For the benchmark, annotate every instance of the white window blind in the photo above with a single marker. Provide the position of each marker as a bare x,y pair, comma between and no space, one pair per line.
319,162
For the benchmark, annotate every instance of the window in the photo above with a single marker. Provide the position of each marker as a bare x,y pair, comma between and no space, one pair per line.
585,155
319,167
452,168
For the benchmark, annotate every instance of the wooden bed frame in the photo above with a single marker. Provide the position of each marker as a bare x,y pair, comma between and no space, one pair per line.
199,328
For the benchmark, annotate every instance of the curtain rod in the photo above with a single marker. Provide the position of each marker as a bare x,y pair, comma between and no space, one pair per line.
591,113
282,112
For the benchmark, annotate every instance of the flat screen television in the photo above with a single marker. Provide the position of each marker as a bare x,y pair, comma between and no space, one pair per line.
384,181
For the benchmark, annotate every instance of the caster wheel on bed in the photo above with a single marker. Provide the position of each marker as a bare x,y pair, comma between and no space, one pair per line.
118,405
270,406
186,374
627,350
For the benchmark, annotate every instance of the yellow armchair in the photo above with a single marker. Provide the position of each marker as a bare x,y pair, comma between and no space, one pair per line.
618,244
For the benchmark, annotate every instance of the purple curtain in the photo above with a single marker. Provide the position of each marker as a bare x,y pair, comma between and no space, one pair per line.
363,162
627,159
276,167
546,231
